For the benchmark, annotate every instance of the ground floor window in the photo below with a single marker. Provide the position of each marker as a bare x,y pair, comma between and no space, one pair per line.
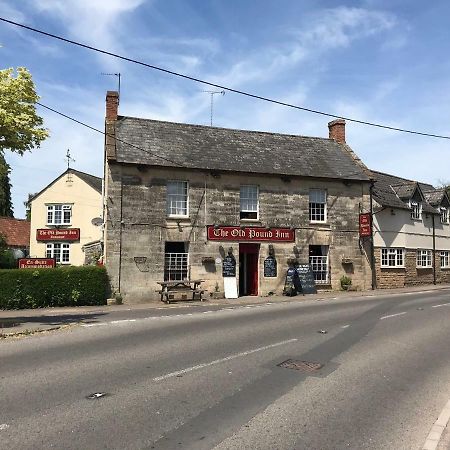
445,259
424,259
318,259
60,252
392,257
176,261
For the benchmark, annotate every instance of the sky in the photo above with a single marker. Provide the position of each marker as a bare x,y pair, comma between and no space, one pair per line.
383,61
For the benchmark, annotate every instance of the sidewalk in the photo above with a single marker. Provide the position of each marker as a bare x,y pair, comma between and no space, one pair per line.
28,321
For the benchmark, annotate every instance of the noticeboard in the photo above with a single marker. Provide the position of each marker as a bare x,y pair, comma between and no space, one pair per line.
306,277
270,267
229,266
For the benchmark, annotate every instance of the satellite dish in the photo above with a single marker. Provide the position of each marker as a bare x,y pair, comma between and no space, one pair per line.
97,221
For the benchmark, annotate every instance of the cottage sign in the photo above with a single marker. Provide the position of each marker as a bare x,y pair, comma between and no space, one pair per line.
252,234
36,263
58,234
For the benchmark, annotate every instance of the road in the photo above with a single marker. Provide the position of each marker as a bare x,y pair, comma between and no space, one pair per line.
209,378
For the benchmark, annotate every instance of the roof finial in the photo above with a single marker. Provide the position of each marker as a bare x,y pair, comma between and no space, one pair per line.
69,158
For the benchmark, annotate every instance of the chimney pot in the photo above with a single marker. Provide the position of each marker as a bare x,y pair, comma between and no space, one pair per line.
112,105
337,130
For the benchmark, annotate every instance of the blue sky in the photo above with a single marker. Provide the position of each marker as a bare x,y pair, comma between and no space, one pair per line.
380,61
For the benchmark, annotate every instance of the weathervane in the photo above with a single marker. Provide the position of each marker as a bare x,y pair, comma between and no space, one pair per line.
212,93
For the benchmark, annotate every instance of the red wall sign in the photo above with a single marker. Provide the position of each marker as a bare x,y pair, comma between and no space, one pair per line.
36,263
252,234
58,234
365,228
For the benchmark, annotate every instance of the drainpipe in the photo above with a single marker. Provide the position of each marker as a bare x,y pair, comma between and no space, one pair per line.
434,249
120,230
372,245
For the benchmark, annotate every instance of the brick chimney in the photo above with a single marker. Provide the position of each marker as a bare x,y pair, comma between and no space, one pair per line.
112,105
337,130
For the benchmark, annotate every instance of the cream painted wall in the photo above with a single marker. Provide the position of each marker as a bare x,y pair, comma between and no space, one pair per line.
86,204
399,230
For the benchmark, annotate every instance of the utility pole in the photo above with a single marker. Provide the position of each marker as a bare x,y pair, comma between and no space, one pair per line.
212,93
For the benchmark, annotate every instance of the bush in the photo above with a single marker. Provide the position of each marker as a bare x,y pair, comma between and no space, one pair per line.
63,286
346,282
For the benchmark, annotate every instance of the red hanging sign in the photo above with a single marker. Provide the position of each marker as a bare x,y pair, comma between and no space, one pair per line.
36,263
58,234
251,234
365,225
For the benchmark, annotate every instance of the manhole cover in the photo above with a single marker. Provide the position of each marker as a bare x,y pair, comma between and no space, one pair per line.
303,366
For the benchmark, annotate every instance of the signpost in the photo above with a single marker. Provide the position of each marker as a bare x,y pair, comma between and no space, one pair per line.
365,225
58,234
36,263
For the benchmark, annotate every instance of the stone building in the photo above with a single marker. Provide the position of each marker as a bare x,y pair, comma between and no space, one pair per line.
411,232
180,197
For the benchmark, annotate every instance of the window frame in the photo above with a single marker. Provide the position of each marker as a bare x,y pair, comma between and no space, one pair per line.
445,215
445,259
249,198
416,210
325,208
51,212
420,255
63,249
396,252
169,196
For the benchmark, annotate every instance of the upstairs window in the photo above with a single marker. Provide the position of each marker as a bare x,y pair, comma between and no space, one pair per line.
177,199
59,214
416,210
249,202
392,257
445,215
424,259
317,205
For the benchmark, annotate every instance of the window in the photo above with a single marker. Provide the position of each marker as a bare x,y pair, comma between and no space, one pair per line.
59,214
416,210
59,251
317,205
445,215
424,258
249,202
176,261
392,257
445,259
318,259
177,198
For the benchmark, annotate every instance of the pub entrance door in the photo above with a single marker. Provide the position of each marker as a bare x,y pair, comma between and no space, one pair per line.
248,269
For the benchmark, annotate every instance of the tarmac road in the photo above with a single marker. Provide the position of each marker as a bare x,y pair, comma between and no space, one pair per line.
209,378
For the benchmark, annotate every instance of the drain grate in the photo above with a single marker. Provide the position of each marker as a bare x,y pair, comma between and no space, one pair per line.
303,366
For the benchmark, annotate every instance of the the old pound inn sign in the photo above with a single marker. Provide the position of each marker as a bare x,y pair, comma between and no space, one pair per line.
235,233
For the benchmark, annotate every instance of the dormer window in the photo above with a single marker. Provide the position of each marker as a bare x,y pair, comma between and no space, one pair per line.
416,210
444,215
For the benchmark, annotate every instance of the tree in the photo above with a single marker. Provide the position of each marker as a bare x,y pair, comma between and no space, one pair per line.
20,126
6,208
27,205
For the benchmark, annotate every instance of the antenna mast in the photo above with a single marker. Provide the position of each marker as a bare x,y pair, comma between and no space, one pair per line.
114,75
69,158
212,93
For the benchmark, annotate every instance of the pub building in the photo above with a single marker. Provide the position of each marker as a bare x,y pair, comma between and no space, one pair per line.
184,201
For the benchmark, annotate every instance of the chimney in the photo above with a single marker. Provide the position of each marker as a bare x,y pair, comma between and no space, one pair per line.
337,130
112,105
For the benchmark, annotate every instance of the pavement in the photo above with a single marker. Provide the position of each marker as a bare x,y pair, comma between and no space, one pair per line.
16,323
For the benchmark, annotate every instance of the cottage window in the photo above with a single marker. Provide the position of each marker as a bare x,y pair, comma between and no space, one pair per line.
59,251
424,258
445,215
177,199
392,257
416,210
176,261
59,214
249,202
317,205
318,259
445,259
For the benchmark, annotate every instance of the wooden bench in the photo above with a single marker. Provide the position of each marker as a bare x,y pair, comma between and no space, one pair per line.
180,290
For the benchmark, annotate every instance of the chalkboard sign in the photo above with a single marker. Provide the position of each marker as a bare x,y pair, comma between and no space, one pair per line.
306,277
292,282
229,266
270,267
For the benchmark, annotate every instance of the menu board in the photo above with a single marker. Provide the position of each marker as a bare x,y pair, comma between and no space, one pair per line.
292,282
270,267
306,278
229,266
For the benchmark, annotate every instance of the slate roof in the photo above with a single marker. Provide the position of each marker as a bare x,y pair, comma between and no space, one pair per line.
222,149
435,197
395,192
16,231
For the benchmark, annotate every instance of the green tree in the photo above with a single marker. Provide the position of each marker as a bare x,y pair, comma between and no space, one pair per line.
6,208
21,127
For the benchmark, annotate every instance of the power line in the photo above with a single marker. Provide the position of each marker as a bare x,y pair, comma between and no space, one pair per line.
218,86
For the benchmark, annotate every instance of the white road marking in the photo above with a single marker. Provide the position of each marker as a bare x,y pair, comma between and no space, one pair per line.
3,426
123,320
442,304
437,429
221,360
393,315
345,326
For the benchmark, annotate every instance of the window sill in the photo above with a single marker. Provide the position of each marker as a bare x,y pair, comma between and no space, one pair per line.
251,220
179,218
424,267
392,267
316,222
56,225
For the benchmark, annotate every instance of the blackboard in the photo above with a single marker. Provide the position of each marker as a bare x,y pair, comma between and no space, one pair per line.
292,282
229,266
270,267
306,277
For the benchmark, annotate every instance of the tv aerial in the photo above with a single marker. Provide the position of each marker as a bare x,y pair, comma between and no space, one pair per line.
114,75
212,94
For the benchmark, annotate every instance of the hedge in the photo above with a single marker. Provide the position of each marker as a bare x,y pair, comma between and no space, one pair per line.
62,286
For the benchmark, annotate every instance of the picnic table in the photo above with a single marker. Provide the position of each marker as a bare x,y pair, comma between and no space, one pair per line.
181,290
